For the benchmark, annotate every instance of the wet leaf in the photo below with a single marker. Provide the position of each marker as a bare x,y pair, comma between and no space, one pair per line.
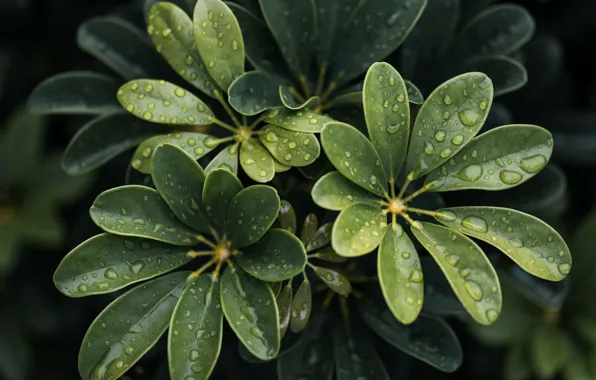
194,338
279,167
130,325
414,94
287,217
139,211
315,170
301,307
219,41
302,120
309,228
334,280
251,213
251,311
254,92
105,263
221,186
329,254
499,159
400,275
256,161
284,305
470,273
277,256
290,102
506,73
334,192
387,112
276,288
535,246
439,298
290,148
321,238
227,159
358,230
548,350
77,92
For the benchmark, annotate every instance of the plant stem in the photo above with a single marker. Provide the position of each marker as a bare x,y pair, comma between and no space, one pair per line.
328,92
414,223
254,123
244,120
304,85
392,188
296,94
421,211
304,275
194,254
345,312
225,139
321,79
208,264
394,222
422,190
328,299
217,268
224,125
204,240
228,110
404,187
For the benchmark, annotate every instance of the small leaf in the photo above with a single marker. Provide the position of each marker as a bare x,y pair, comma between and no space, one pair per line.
290,102
449,118
499,159
284,305
139,211
124,261
179,179
309,228
227,159
254,92
355,355
194,339
321,238
290,148
130,325
387,112
358,230
251,311
256,161
251,213
329,254
301,307
334,192
506,73
76,92
354,156
276,288
414,94
219,41
221,186
470,273
302,120
548,350
400,275
277,256
535,246
334,280
287,217
162,102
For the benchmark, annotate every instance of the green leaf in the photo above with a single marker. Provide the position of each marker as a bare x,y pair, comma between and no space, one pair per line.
251,311
499,159
139,211
577,364
130,325
171,30
162,102
535,246
400,275
309,228
321,238
254,92
287,216
194,339
387,112
470,273
355,355
284,305
277,256
279,167
301,120
179,179
515,364
358,230
414,94
449,118
227,159
290,148
251,213
290,102
327,24
354,156
429,339
334,192
329,254
256,161
334,280
105,263
221,186
219,41
76,92
301,307
548,350
506,73
194,143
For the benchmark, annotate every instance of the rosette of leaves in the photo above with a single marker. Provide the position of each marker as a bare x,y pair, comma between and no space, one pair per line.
443,146
152,232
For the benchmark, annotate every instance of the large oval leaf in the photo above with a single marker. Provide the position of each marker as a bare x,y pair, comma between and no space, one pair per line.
302,120
358,230
290,148
256,161
354,156
499,159
449,118
105,263
400,275
227,159
277,256
129,327
254,92
470,273
221,186
194,339
532,244
387,113
506,73
139,211
335,192
251,311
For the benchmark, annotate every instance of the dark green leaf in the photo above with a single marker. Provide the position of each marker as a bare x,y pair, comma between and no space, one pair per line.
327,24
221,186
287,217
355,355
256,161
334,192
358,230
288,100
284,305
254,92
414,94
548,350
506,73
227,159
290,148
329,254
302,120
321,238
334,280
301,307
276,288
309,228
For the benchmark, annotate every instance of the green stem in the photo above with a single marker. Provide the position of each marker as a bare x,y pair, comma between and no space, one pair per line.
421,211
328,92
404,187
414,223
304,85
296,95
256,122
224,125
228,110
207,265
422,190
321,80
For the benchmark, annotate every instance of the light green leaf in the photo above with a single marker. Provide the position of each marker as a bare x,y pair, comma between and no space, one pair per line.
227,159
130,325
387,113
251,311
506,73
219,41
287,217
139,211
354,156
162,102
334,192
548,350
414,94
470,273
105,263
499,159
279,167
449,118
358,230
301,307
256,161
221,186
400,275
302,120
329,254
290,148
194,339
535,246
355,355
284,305
334,280
309,228
254,92
277,256
321,238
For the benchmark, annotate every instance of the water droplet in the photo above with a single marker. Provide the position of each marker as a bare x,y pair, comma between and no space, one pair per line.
313,121
453,260
473,290
82,288
447,100
492,315
393,129
470,173
288,156
180,92
533,164
235,45
457,139
263,173
446,152
129,350
401,98
483,105
516,243
510,177
111,274
271,137
406,255
440,136
416,276
474,223
564,268
148,115
428,148
193,355
373,180
469,118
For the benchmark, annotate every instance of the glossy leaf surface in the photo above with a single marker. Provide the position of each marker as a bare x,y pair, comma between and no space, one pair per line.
329,254
334,192
287,216
506,73
256,161
221,186
321,237
414,94
334,280
301,307
358,230
227,159
290,148
284,306
303,120
309,228
253,93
